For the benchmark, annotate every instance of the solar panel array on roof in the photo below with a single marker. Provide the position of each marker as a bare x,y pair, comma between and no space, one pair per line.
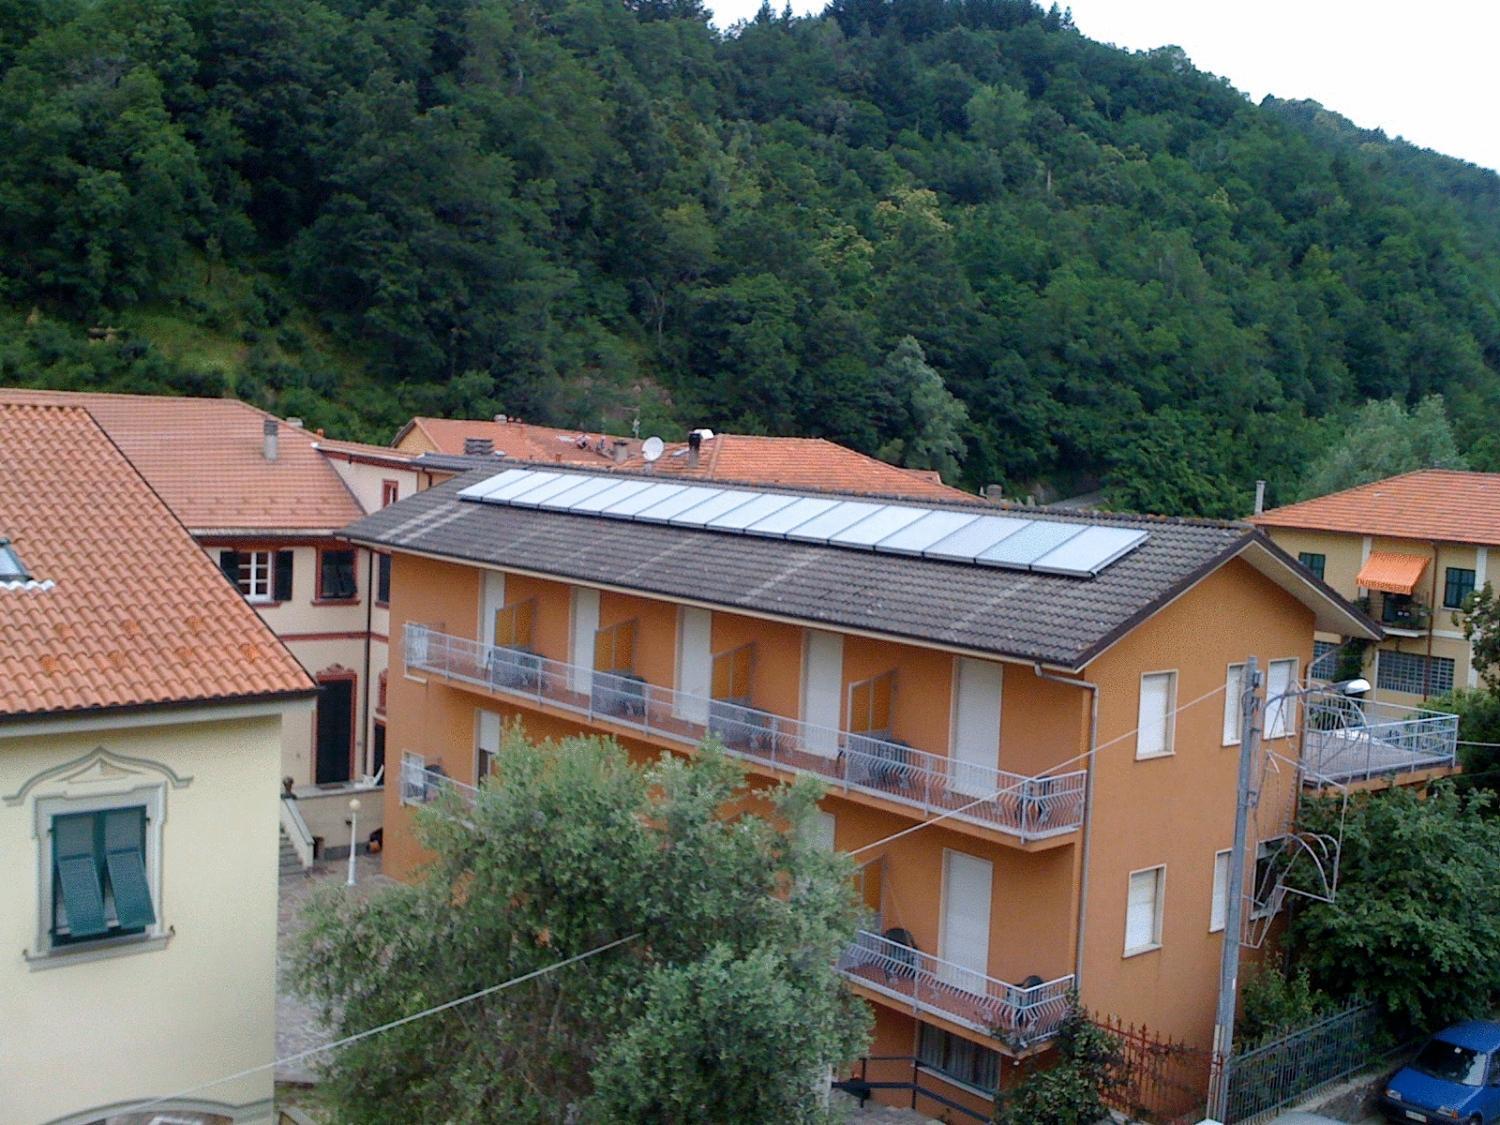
1009,542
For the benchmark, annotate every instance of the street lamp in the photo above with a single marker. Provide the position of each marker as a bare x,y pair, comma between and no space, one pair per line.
1245,799
353,837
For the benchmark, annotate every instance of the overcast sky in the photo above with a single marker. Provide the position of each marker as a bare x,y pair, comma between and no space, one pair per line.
1426,72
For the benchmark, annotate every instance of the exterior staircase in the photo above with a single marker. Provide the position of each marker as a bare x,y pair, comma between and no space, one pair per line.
290,863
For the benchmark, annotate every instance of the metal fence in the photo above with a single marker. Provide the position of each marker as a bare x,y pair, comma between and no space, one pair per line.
1159,1079
1029,807
1351,739
1021,1014
1268,1078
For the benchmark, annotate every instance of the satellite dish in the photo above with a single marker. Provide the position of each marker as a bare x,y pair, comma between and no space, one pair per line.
652,448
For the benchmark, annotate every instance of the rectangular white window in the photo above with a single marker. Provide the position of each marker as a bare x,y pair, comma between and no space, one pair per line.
1218,911
822,690
1281,676
585,624
1143,910
1234,687
1155,723
695,664
965,925
487,743
977,686
254,578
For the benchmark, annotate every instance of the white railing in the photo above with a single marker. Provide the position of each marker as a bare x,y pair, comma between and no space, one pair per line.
421,784
1029,807
297,831
1348,739
1021,1015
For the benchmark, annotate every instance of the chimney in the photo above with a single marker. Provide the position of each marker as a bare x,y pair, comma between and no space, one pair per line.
478,447
621,450
1260,497
501,418
994,492
295,423
268,432
695,448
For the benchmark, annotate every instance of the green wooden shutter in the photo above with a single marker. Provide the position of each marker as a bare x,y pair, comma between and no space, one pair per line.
77,875
283,591
124,855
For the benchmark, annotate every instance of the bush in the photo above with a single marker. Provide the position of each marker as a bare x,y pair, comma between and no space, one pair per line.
1276,1002
1072,1090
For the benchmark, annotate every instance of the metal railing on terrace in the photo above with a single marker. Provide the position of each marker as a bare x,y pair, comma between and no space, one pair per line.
1031,808
1348,739
1021,1015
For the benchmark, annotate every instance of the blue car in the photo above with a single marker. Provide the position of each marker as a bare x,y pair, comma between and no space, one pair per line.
1455,1077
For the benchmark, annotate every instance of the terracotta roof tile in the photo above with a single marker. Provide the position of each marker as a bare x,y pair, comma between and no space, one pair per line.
204,457
793,462
1441,504
124,608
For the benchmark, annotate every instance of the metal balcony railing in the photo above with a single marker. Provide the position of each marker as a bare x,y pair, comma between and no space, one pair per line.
1348,739
1028,807
1020,1015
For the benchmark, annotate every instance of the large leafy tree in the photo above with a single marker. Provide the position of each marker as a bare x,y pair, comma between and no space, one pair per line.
1413,924
723,1008
1383,439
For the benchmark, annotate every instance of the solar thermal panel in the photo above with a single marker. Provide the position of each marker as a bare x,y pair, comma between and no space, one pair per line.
1018,551
932,527
726,501
963,544
758,507
663,510
598,502
1090,551
826,524
880,524
781,521
654,494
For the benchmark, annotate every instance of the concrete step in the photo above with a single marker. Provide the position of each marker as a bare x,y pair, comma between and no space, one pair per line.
289,862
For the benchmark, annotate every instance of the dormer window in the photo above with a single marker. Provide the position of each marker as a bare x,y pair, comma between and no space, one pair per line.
12,569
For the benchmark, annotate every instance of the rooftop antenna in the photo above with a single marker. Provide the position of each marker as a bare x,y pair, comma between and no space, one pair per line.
651,449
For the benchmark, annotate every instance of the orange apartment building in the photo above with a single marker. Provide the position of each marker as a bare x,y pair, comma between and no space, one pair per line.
1055,695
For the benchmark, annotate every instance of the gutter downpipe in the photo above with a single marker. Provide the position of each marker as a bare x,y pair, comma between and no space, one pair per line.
364,720
1432,612
1088,811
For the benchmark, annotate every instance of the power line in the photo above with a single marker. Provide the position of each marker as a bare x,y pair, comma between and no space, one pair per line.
337,1043
1131,733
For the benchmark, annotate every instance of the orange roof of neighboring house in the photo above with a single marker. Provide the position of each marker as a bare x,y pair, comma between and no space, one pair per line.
204,456
1391,572
738,458
122,608
1442,504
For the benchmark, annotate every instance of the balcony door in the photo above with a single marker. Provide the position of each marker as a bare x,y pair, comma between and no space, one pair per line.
822,690
585,624
964,936
334,728
694,664
491,602
976,726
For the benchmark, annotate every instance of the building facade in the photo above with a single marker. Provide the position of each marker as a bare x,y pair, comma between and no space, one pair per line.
142,707
1410,549
1061,723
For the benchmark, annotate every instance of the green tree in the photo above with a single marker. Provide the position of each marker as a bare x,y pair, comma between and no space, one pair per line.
1384,439
1071,1084
933,420
726,1007
1413,925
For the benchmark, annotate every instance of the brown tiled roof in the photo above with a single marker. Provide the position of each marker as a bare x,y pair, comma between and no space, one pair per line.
1442,504
123,608
204,457
793,462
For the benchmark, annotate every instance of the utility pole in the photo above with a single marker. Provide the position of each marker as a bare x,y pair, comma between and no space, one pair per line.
1229,963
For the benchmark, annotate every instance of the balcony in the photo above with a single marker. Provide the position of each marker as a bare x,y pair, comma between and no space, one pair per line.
1400,614
1028,808
1355,740
1019,1015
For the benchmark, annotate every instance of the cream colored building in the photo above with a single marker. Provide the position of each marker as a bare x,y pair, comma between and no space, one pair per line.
141,713
1411,548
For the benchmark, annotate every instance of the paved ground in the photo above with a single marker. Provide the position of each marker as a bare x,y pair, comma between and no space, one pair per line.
297,1026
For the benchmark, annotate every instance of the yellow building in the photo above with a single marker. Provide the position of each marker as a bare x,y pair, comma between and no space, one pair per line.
141,712
1410,548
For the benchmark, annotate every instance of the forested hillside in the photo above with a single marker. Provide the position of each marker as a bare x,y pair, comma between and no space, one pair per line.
954,232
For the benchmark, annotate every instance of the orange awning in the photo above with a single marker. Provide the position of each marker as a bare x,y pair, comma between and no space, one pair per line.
1391,573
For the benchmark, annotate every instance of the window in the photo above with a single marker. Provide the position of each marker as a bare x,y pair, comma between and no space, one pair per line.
731,674
1218,910
870,705
1234,688
487,743
390,492
336,576
100,888
377,751
1155,723
1458,584
1413,673
261,576
383,579
1313,561
12,569
1143,910
1281,678
614,648
958,1058
513,625
1324,664
1264,897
